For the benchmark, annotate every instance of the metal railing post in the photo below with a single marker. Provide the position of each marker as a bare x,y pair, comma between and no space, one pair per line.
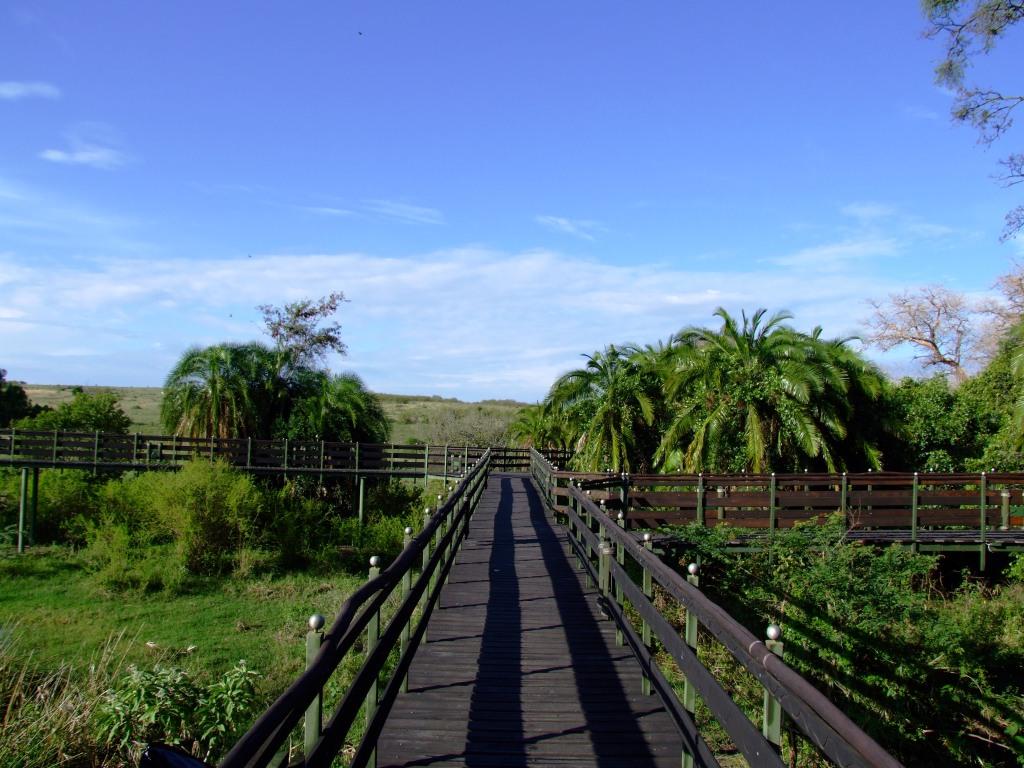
771,726
689,692
406,589
604,567
314,714
372,636
700,499
1004,516
913,514
620,558
645,628
22,505
983,510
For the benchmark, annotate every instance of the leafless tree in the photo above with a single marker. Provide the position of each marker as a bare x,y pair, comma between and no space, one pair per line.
934,319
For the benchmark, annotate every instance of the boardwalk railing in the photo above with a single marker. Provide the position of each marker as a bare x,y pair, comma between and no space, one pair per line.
601,546
376,684
114,452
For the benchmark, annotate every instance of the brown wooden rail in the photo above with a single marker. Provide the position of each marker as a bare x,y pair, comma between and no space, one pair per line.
114,452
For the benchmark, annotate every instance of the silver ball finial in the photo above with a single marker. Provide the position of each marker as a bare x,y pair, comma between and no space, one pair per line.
408,530
774,632
647,537
692,569
316,622
374,561
622,515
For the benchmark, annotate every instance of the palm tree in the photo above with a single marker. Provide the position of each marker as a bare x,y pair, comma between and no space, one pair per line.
754,396
225,390
608,404
338,408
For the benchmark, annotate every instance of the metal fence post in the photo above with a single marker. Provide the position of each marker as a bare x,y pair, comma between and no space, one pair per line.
645,627
314,714
771,727
604,567
689,692
913,514
372,636
620,558
22,504
423,569
1004,521
406,589
34,507
362,498
983,510
700,499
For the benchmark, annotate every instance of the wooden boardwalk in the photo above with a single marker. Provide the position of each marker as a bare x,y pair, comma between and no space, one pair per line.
519,668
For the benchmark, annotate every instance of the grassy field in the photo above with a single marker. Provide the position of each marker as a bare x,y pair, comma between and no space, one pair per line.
414,418
53,610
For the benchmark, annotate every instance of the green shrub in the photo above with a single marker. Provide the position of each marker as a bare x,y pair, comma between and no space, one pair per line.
166,704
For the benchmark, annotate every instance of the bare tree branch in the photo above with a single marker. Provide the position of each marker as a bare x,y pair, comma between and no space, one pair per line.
295,328
934,319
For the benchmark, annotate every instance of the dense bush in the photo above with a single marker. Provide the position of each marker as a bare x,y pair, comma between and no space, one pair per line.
85,412
933,675
166,704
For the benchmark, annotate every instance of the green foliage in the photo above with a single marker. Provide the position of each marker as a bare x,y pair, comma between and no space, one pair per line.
933,677
86,412
14,402
166,704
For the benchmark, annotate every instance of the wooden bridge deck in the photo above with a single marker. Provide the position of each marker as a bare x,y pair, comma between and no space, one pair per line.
519,668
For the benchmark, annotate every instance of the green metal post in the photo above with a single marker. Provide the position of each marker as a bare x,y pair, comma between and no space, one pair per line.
55,434
323,445
1004,517
700,499
423,568
445,478
357,457
406,588
771,724
604,568
174,449
983,510
690,636
314,714
645,628
913,514
372,636
426,465
772,511
465,460
620,558
842,496
286,455
95,451
13,441
362,498
21,509
248,453
35,507
135,447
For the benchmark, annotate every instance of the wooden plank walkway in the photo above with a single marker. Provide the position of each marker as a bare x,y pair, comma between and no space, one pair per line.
519,668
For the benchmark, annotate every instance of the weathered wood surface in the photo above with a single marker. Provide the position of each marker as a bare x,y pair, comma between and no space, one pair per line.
519,668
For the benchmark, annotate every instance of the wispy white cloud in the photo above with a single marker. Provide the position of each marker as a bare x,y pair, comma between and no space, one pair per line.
829,257
583,228
471,322
89,144
868,211
920,113
404,211
323,210
12,90
86,154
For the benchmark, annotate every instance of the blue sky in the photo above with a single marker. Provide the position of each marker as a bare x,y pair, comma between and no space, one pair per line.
496,187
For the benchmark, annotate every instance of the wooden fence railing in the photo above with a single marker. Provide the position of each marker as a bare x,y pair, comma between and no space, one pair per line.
867,500
113,452
397,635
626,571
